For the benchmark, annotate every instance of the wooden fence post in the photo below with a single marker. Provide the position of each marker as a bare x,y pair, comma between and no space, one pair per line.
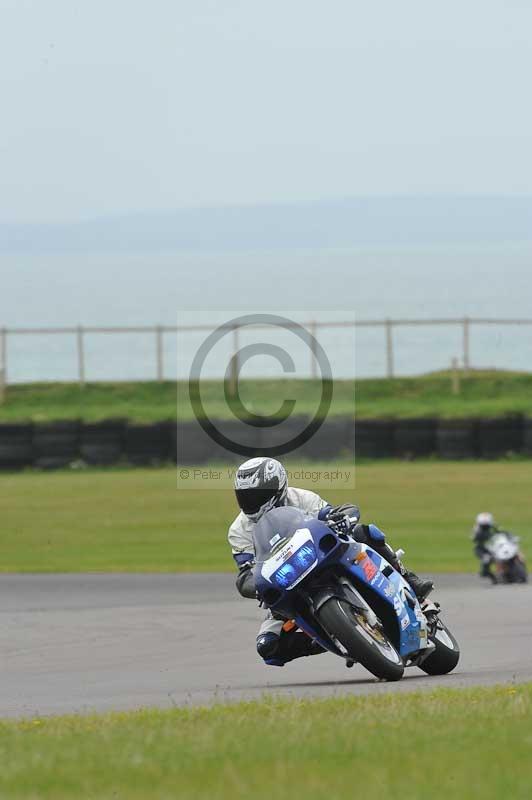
313,355
389,348
3,364
81,356
465,337
455,376
233,381
160,352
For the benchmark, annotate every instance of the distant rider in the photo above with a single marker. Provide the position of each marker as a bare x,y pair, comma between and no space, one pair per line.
260,485
484,528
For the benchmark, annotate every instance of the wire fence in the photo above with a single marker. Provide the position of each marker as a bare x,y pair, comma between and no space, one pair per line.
157,336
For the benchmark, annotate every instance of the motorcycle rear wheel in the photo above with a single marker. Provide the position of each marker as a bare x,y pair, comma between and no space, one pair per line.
364,644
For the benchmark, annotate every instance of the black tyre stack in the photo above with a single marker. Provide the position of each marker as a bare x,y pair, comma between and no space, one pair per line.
527,436
500,436
415,438
56,444
334,439
16,446
52,445
193,445
147,444
456,439
240,432
102,443
374,438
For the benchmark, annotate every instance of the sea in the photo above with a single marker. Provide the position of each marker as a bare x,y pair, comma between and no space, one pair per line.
203,291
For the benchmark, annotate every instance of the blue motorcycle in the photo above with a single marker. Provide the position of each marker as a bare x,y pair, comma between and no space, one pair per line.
347,597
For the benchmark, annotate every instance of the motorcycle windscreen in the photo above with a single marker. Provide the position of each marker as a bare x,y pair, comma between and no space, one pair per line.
275,528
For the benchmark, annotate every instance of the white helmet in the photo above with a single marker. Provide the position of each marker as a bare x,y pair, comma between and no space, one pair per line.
260,485
485,520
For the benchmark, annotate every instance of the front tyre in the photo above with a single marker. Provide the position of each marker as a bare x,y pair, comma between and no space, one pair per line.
446,655
363,643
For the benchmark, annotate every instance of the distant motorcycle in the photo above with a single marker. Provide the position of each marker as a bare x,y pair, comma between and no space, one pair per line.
347,598
507,558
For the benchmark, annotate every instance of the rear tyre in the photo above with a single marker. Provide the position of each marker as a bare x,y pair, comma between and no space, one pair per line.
446,655
369,646
518,572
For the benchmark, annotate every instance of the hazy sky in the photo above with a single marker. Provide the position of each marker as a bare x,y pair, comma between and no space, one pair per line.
115,105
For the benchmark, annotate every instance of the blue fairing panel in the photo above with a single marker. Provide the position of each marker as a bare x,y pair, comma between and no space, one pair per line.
390,589
375,534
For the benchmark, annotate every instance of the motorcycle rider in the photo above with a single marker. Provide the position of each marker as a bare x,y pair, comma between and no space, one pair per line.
483,530
260,485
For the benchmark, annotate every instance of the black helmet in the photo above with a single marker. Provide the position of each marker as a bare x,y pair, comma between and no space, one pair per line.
260,485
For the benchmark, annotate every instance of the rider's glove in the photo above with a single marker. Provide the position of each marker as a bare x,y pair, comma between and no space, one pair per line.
344,516
245,583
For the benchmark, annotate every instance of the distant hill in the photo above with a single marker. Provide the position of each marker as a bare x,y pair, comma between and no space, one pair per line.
350,222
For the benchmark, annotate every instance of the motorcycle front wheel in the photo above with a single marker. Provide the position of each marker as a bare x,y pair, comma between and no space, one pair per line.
446,655
517,572
366,644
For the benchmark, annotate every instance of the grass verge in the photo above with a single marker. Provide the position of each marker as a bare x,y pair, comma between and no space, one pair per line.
483,393
447,743
138,520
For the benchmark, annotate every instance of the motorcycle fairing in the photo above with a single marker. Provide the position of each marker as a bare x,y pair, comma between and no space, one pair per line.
354,558
394,590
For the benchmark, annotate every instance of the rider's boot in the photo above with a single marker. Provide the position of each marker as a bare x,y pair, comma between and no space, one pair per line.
277,650
422,587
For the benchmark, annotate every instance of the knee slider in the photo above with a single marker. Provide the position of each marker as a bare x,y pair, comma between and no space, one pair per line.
268,645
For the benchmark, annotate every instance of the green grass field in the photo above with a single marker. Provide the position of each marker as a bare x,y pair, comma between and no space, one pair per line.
138,520
482,393
463,744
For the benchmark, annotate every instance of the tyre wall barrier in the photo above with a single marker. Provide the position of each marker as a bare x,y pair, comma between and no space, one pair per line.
415,438
58,444
500,436
55,444
527,436
334,439
278,436
16,446
102,443
195,446
147,444
456,438
248,434
374,438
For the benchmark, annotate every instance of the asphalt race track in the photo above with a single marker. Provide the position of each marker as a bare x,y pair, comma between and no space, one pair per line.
79,643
